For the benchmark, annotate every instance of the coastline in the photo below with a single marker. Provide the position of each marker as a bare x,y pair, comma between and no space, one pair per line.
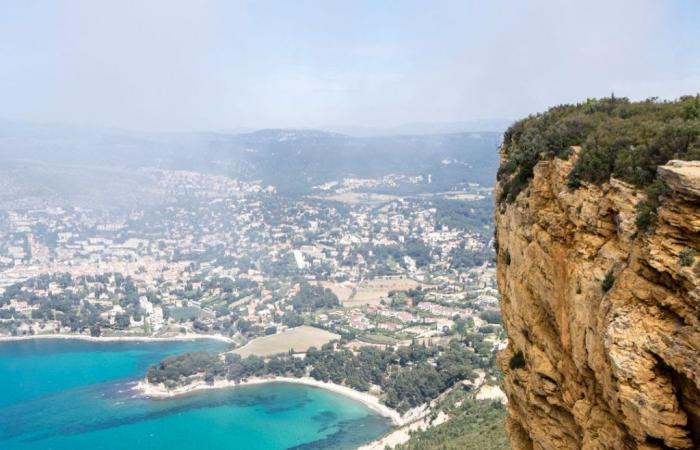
372,402
83,337
159,392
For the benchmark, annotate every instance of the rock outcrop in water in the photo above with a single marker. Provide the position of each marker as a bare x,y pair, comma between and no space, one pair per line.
603,321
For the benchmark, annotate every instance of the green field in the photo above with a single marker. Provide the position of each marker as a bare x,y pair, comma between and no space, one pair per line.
298,339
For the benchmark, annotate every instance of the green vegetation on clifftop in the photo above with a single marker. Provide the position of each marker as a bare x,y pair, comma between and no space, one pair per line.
619,138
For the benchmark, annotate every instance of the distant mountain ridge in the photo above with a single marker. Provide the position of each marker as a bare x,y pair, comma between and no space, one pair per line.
497,125
292,160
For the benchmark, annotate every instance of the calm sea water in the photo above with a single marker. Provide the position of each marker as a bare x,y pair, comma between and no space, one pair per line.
65,394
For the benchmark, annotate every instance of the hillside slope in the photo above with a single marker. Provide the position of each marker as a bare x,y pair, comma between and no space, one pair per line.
291,160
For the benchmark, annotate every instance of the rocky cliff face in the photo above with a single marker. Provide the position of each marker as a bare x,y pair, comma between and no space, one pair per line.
596,363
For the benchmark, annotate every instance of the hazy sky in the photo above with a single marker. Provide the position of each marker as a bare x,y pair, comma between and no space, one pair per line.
184,65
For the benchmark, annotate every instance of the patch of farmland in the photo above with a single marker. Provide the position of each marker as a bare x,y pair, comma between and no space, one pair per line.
342,290
371,292
298,339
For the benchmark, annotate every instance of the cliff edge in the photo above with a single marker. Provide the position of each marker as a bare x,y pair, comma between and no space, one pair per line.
603,320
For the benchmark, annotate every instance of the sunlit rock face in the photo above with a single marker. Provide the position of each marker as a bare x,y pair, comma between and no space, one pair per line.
595,363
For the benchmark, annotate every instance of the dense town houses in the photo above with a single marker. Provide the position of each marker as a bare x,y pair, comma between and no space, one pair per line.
235,258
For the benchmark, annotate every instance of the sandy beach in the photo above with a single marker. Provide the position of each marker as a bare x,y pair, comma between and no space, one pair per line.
397,437
369,400
84,337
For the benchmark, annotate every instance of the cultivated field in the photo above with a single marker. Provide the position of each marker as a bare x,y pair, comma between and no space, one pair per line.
371,292
299,339
342,290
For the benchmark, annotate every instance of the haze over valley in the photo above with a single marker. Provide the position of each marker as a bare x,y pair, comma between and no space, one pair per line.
349,225
275,241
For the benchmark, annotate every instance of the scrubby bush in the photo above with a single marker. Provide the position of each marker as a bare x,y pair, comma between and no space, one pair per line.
608,281
687,257
647,208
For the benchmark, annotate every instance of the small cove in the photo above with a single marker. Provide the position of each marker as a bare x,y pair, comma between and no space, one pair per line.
71,394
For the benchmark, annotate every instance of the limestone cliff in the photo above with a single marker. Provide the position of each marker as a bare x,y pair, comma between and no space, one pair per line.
596,363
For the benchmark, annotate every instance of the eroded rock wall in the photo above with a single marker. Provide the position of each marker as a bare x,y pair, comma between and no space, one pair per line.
600,369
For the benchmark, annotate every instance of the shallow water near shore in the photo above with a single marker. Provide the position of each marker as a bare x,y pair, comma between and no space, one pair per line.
65,394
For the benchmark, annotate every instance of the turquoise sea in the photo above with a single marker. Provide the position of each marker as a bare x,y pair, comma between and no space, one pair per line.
73,395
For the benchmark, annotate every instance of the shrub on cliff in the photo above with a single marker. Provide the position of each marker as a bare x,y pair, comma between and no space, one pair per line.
608,281
687,257
646,209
